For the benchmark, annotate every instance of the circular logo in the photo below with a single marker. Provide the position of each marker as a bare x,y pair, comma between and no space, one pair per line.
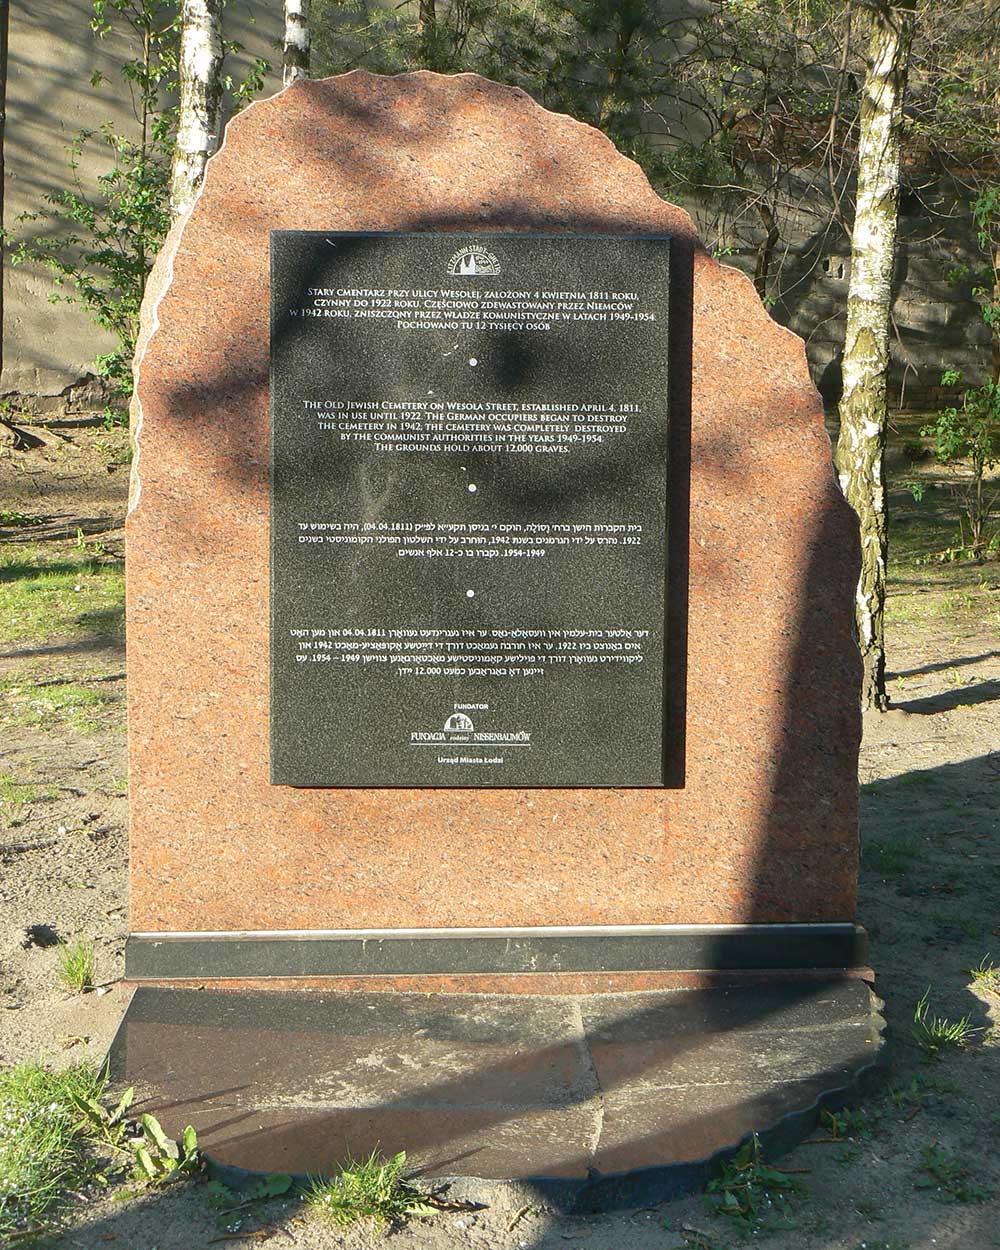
473,262
459,723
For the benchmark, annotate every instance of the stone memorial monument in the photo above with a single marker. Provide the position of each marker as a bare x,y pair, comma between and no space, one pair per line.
493,697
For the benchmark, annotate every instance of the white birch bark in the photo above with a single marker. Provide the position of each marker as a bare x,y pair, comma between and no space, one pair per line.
199,122
860,455
295,52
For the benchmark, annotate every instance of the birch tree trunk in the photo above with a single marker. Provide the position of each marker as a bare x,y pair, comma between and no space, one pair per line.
295,52
199,122
864,415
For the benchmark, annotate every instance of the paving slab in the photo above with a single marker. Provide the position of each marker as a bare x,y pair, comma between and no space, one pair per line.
586,1102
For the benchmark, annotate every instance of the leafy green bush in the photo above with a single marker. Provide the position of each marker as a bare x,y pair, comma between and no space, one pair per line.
970,431
101,247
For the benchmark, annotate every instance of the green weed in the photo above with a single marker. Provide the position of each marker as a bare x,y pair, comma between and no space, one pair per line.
157,1159
19,520
57,1138
77,966
117,786
12,791
116,451
43,1143
933,1034
922,1087
846,1127
373,1192
948,1178
869,1210
160,1160
229,1205
107,1125
986,975
750,1191
848,1123
919,777
43,598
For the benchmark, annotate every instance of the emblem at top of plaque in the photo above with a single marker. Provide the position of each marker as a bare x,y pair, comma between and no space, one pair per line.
473,262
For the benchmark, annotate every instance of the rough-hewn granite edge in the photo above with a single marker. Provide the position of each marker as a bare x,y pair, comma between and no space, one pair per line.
725,283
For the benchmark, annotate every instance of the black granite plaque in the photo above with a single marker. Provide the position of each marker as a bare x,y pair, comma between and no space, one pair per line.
468,509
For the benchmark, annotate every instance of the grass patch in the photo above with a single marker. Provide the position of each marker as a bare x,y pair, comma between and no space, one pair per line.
43,1142
114,445
919,777
948,1178
58,1138
373,1192
15,798
933,1034
77,968
948,923
65,703
17,793
44,596
890,857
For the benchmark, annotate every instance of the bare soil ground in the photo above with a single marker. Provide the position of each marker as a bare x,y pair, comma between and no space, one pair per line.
930,885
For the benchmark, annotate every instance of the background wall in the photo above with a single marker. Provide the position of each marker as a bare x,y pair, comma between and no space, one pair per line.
49,349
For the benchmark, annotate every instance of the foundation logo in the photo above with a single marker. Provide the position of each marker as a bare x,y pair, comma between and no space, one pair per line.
473,262
459,731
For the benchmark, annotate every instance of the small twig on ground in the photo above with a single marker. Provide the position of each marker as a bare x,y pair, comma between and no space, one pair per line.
38,844
269,1230
517,1215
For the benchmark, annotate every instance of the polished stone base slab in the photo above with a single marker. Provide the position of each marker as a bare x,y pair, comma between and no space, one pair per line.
503,952
584,1102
